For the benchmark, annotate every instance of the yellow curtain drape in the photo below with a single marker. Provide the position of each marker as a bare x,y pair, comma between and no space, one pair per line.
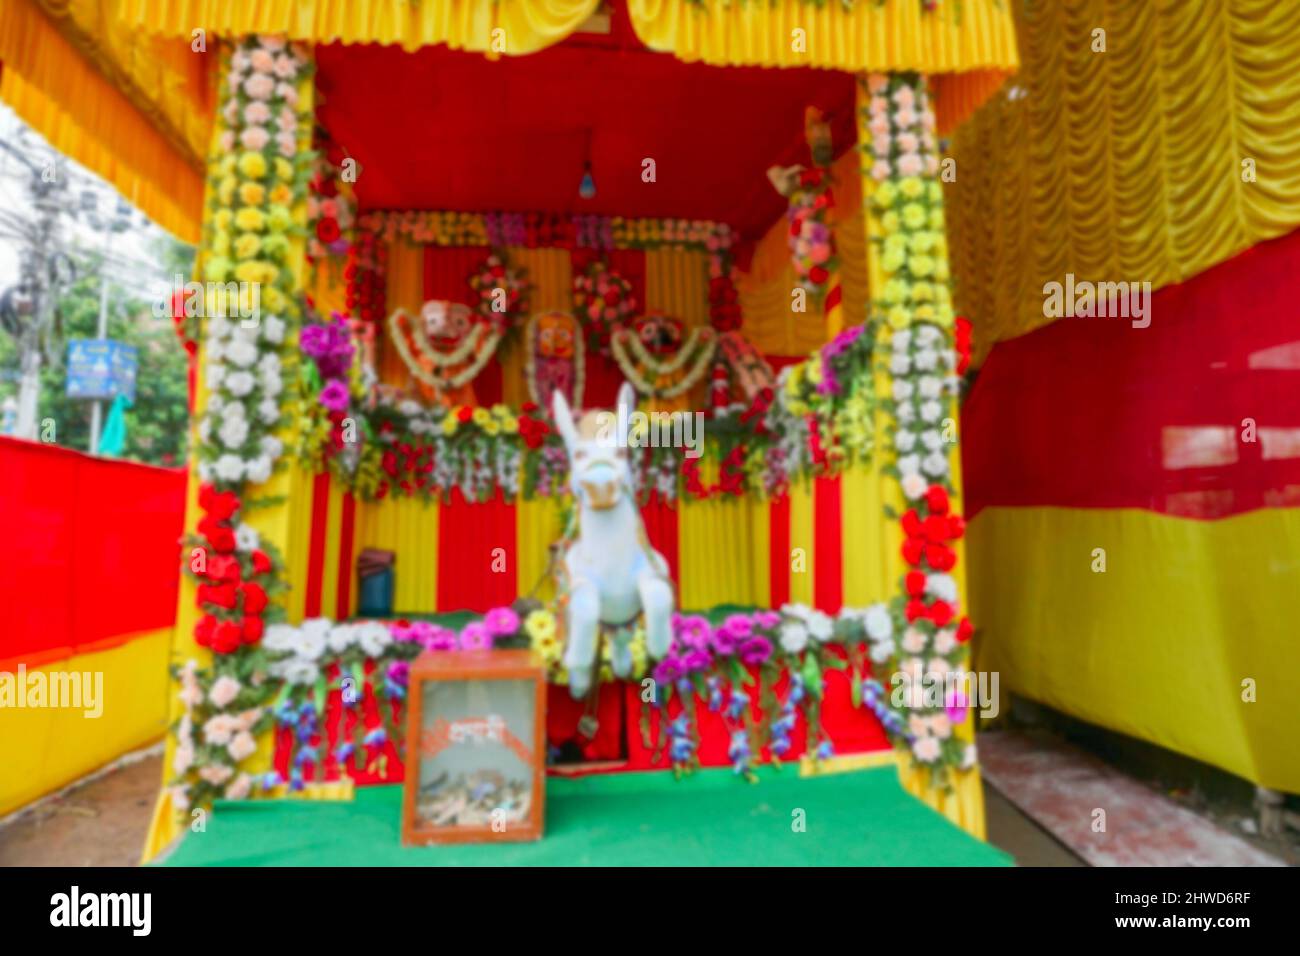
134,114
1130,165
770,323
525,26
896,35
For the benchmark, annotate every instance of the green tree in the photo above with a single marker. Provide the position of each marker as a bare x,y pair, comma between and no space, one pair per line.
158,424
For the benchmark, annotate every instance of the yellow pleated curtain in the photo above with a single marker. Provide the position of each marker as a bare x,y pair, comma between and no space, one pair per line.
1171,151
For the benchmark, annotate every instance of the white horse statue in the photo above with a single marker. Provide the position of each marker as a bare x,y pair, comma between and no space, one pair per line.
613,575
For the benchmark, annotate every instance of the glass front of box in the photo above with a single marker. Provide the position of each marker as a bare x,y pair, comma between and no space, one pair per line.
476,754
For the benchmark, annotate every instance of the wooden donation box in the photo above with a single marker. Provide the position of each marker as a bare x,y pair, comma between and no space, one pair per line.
475,748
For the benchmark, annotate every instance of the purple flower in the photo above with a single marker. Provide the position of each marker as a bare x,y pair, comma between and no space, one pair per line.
334,395
767,620
692,631
668,670
401,633
756,650
696,659
312,340
439,639
502,621
399,672
476,637
740,625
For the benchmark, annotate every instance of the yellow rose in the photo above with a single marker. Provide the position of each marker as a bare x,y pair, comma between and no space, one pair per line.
921,266
249,272
222,220
220,245
936,219
216,269
227,165
941,270
911,187
492,427
252,194
891,261
914,215
814,371
899,317
247,245
226,190
249,219
924,312
283,169
884,195
936,191
481,416
282,195
895,290
922,292
252,165
279,218
895,243
889,222
449,424
273,299
510,425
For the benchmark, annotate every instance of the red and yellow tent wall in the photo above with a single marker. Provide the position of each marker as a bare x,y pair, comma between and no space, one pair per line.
1171,451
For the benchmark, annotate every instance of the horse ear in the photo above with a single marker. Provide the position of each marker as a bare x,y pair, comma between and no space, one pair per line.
626,406
563,418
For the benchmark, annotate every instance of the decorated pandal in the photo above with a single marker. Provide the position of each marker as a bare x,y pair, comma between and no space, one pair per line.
676,417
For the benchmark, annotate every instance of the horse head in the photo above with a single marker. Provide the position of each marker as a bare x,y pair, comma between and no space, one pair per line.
599,474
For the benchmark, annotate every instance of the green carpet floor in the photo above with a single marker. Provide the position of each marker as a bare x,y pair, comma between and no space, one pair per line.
628,819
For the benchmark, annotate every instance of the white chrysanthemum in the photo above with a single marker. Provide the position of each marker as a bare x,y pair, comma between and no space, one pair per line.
206,471
233,432
926,359
239,383
218,328
901,340
878,623
794,637
205,431
271,384
247,538
902,390
269,364
927,335
309,641
942,586
408,408
914,485
272,447
214,375
935,465
904,440
341,637
296,670
273,329
268,410
241,352
820,626
214,352
931,411
900,363
909,464
373,637
258,469
905,413
229,468
931,439
233,412
279,637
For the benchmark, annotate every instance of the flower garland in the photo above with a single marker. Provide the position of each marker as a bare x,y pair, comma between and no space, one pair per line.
603,303
330,394
365,271
915,312
492,277
331,211
530,365
811,240
698,348
479,346
255,196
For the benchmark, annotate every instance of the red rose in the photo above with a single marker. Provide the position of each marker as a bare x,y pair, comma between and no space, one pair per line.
937,500
222,595
252,628
327,229
965,630
530,406
254,597
912,550
915,610
224,567
940,557
911,523
222,540
204,629
935,529
382,491
611,297
261,562
220,506
940,612
915,582
956,526
227,637
465,414
818,275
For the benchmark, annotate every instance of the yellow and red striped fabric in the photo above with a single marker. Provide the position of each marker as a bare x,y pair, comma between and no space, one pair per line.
1134,496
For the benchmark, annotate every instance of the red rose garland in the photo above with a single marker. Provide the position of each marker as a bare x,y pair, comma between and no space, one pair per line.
928,532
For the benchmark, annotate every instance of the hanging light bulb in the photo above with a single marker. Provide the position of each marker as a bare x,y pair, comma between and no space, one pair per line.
587,188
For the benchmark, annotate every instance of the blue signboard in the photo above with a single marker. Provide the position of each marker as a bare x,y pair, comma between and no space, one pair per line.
101,369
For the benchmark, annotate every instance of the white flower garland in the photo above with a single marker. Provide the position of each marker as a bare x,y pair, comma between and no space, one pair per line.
703,355
481,343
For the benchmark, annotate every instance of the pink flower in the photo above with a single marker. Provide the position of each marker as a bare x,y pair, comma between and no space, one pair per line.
476,637
216,774
182,759
238,61
909,164
261,61
287,143
191,694
285,67
502,621
259,86
905,118
880,170
254,138
244,745
908,143
224,690
257,113
287,92
227,141
239,787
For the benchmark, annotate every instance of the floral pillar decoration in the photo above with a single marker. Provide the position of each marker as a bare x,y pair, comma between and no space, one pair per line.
239,514
917,378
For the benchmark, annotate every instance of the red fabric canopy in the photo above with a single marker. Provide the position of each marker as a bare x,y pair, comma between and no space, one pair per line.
441,129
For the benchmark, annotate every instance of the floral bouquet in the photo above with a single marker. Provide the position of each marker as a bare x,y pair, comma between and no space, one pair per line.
604,304
501,292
